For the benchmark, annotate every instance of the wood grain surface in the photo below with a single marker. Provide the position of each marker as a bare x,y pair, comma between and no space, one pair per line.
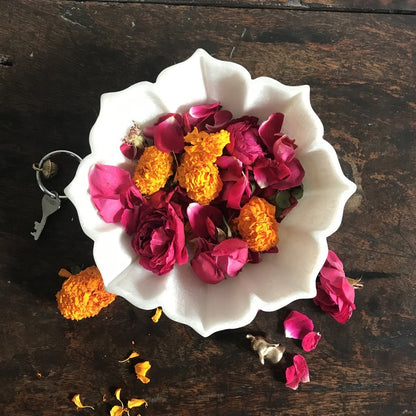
367,6
56,59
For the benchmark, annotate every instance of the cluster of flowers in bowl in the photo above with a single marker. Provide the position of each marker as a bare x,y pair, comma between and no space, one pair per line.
207,188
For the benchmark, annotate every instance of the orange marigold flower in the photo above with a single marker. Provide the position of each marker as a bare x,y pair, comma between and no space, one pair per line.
257,224
206,146
201,180
83,294
198,173
153,170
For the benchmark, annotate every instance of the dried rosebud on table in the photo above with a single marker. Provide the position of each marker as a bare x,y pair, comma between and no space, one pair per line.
83,294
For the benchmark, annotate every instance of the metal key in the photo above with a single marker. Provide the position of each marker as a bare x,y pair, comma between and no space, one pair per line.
49,206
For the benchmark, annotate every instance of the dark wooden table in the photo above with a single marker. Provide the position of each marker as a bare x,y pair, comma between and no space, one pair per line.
58,57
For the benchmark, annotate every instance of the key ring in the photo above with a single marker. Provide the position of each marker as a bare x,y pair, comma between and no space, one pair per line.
39,168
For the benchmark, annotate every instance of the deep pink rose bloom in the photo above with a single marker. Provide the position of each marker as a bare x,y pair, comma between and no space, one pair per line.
204,219
244,139
208,117
335,295
281,172
236,186
113,193
297,373
167,133
160,239
213,262
270,128
130,151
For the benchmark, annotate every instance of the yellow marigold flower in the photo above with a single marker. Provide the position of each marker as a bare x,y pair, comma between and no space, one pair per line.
83,294
257,224
153,170
206,146
201,180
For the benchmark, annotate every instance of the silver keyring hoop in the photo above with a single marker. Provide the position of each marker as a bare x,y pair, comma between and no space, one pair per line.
42,161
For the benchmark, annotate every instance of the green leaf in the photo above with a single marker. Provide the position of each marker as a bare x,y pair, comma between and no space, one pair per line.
297,192
282,199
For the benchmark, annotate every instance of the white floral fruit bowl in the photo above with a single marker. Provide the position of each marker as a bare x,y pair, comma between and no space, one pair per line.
278,279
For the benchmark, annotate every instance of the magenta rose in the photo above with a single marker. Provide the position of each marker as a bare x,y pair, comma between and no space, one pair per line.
160,239
114,195
206,117
213,262
167,133
335,295
244,140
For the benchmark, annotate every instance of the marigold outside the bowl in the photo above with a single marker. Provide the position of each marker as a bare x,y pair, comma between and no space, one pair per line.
83,294
257,224
153,170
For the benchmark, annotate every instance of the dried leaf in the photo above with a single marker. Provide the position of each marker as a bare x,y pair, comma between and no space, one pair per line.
136,403
356,283
141,369
117,411
77,401
157,315
134,354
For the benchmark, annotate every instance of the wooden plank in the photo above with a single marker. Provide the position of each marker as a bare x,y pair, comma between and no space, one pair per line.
57,58
368,6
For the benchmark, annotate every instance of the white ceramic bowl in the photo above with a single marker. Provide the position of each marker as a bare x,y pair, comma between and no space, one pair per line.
270,285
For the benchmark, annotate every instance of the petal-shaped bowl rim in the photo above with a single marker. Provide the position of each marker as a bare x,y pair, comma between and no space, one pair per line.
270,285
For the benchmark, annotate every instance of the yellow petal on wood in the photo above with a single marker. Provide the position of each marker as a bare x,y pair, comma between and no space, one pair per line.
157,315
77,401
64,273
117,411
141,369
117,394
134,354
136,403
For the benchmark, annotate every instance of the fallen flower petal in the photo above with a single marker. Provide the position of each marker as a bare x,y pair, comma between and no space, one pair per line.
117,411
77,401
141,369
310,341
134,354
157,315
297,325
297,373
136,403
117,394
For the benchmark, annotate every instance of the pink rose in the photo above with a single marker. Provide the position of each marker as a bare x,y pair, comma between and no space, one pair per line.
114,194
335,295
244,140
236,186
167,133
212,262
160,239
208,117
